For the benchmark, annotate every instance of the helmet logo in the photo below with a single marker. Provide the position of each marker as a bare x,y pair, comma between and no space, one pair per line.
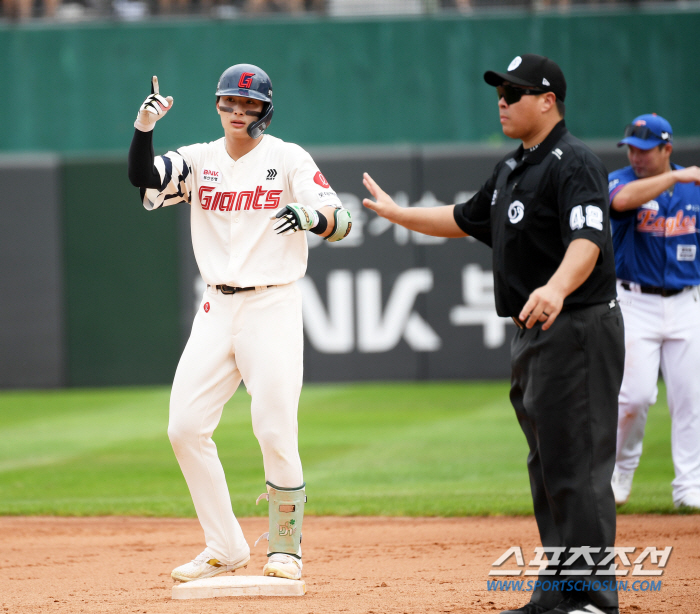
246,80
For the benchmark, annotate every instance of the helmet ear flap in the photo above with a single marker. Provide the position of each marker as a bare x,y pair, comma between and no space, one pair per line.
257,128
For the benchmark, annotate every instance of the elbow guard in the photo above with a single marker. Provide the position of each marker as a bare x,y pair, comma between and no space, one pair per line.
343,223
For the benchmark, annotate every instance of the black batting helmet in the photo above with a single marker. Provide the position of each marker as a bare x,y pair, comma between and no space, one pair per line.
249,81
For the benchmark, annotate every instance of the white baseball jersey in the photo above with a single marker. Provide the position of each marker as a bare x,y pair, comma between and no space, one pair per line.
232,203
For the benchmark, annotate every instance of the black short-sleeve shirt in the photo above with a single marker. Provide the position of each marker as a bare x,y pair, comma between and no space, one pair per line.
529,211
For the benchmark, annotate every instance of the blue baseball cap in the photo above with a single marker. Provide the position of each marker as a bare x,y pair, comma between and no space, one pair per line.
647,131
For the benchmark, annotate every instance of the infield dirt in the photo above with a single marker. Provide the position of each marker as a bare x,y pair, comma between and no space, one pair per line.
351,565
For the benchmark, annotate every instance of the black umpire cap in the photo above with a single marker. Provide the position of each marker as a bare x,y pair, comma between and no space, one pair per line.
530,70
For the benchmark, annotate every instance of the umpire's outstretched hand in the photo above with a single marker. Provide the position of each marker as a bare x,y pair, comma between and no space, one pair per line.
384,204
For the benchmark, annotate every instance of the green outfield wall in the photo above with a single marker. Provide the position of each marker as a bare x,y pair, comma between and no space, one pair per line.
121,280
77,88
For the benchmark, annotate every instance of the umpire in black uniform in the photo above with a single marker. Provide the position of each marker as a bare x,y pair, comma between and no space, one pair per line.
544,212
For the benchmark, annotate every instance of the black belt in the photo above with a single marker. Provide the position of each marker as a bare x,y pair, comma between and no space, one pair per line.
651,289
564,309
224,289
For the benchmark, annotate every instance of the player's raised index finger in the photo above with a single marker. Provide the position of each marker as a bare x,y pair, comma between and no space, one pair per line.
154,85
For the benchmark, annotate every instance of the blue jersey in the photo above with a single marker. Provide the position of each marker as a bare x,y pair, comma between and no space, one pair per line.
657,244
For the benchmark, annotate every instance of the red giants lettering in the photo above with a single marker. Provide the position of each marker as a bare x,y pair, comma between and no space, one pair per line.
321,180
248,197
256,198
231,197
273,199
227,201
204,197
246,80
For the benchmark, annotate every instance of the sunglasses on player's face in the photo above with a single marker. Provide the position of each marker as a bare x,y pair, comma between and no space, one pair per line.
514,94
644,132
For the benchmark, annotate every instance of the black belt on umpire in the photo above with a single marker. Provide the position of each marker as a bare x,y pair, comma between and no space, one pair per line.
651,289
565,308
224,289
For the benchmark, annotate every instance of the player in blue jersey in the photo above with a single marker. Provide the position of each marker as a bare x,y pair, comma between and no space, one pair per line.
655,207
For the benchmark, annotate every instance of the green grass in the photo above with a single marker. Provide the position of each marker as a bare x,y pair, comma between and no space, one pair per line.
432,449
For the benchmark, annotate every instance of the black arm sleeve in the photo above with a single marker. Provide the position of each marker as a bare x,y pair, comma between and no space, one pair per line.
142,172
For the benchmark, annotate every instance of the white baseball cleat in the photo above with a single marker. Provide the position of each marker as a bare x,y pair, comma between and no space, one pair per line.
283,566
622,485
205,566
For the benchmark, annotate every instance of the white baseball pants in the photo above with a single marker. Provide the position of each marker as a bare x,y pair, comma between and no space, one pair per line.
256,336
665,332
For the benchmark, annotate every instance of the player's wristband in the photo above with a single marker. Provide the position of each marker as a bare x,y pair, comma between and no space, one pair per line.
320,226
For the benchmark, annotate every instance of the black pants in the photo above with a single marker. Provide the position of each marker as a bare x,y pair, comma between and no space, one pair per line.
564,388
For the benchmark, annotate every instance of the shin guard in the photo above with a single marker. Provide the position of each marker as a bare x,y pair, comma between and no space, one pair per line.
286,513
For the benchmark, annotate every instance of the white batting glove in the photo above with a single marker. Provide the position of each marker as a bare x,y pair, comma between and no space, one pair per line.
152,109
294,217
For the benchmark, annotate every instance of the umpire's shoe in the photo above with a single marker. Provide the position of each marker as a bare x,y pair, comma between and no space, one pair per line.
578,605
528,608
205,566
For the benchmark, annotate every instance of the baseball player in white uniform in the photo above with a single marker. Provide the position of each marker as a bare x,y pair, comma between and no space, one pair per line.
249,193
655,206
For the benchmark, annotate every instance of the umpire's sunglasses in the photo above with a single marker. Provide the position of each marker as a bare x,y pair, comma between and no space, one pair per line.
644,133
514,94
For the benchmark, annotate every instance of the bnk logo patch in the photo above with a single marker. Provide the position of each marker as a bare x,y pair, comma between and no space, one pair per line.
210,176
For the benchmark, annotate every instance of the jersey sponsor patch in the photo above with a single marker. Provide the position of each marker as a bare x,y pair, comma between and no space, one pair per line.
206,307
321,180
686,253
210,176
516,212
325,195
